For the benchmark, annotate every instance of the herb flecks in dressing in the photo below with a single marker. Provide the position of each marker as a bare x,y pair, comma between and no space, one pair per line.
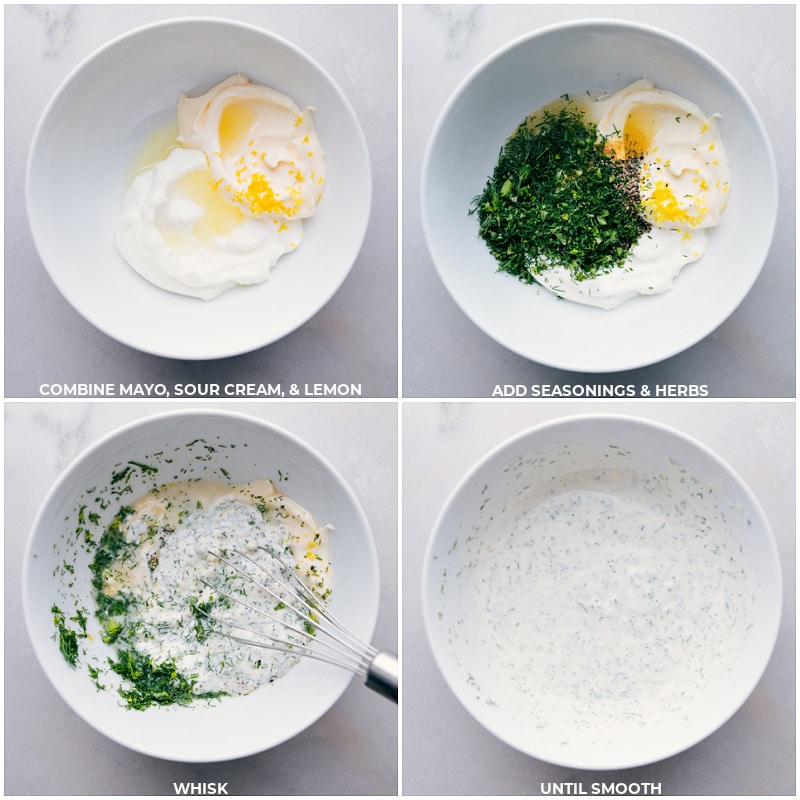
599,603
153,607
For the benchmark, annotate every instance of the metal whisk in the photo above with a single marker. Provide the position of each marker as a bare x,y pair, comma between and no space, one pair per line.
331,642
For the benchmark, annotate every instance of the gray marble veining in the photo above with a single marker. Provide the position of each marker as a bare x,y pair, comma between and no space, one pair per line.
461,23
58,23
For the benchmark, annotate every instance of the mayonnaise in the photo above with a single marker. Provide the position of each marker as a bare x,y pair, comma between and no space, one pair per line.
259,144
229,199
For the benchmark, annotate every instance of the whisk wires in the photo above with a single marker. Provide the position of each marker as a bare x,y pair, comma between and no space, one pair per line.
330,640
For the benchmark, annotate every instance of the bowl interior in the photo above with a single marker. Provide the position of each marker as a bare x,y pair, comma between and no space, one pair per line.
216,445
463,151
80,166
475,530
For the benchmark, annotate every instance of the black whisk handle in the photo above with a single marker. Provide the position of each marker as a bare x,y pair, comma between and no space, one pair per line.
383,675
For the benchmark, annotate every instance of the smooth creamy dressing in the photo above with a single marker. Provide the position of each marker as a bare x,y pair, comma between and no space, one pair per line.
602,603
684,186
170,531
227,198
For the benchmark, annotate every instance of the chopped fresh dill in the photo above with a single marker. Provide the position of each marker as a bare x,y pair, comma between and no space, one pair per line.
145,468
68,638
112,544
94,674
154,684
557,198
204,624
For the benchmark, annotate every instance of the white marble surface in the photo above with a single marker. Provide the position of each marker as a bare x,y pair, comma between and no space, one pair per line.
446,752
445,355
353,339
49,750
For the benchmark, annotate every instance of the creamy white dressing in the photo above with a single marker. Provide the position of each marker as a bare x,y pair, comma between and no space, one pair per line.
174,528
600,603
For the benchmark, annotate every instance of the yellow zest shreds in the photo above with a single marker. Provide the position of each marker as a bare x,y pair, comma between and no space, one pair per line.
256,192
298,120
664,206
260,198
310,548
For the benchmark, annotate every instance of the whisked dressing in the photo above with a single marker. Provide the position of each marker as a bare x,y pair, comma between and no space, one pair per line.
610,603
162,557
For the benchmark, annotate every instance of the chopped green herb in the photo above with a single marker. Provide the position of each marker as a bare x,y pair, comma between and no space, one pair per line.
153,684
113,628
204,624
145,468
556,198
68,638
94,674
111,545
122,475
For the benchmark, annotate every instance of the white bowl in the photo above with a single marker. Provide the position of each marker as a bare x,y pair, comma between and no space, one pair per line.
192,444
80,166
462,153
513,688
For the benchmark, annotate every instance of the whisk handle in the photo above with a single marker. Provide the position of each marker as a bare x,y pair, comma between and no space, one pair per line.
383,675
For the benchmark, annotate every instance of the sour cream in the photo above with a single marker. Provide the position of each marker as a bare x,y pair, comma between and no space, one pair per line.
684,187
171,531
230,197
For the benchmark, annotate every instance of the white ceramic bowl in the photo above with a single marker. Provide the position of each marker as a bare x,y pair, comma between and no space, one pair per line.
80,166
246,449
462,153
474,532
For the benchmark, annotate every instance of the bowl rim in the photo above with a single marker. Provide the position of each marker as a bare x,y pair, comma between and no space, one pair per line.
64,85
85,457
623,422
603,23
